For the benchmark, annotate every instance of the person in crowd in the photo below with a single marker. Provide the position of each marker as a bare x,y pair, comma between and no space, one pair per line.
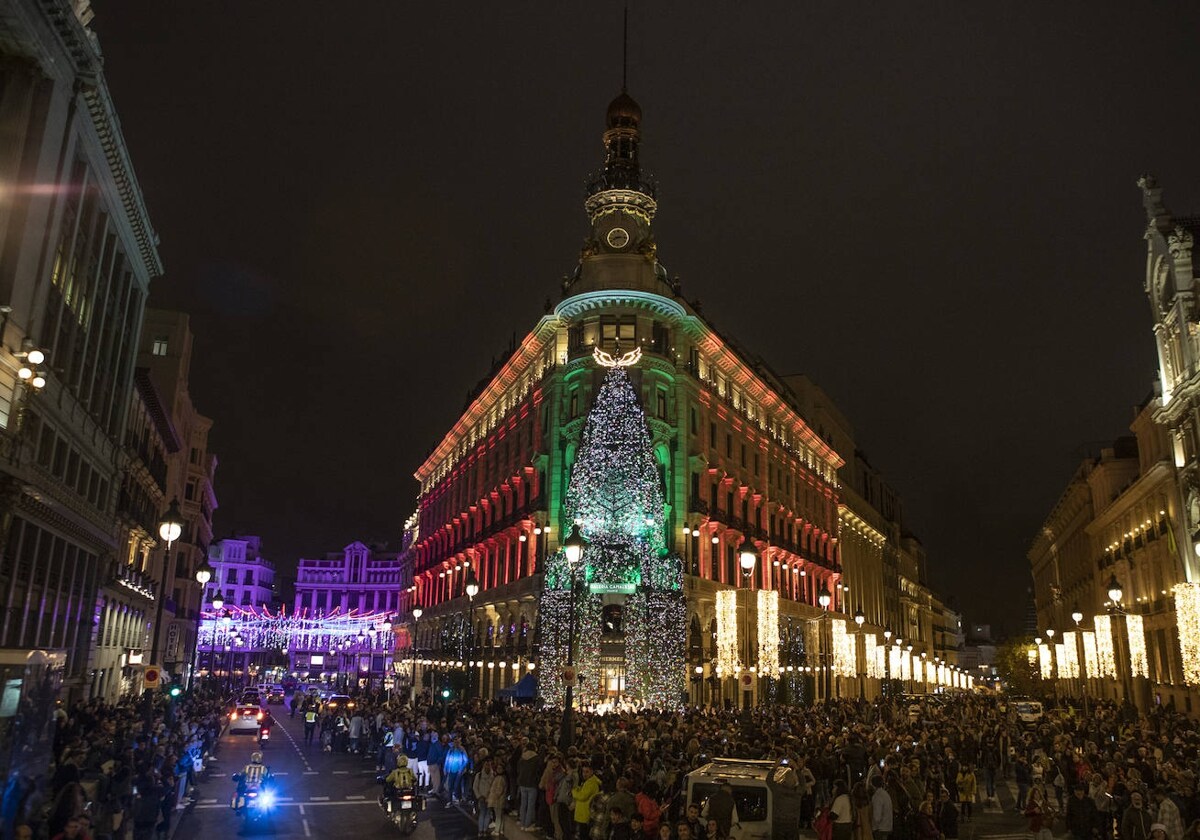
1040,815
1136,820
1083,821
946,813
881,810
583,794
926,825
967,789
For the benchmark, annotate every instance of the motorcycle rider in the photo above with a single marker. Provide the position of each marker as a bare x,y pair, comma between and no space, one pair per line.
401,777
254,774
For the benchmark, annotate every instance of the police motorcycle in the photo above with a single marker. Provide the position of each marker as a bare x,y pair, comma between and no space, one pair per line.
399,799
255,798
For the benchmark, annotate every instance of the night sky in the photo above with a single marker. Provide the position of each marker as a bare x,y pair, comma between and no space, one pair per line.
929,208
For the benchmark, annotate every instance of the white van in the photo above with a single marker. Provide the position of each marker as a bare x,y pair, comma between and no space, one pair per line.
1029,712
765,793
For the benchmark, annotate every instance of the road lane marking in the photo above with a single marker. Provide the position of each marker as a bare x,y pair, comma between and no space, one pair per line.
318,799
307,831
311,773
341,772
338,802
355,796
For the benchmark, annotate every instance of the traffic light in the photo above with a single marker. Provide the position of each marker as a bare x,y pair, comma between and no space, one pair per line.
174,690
445,692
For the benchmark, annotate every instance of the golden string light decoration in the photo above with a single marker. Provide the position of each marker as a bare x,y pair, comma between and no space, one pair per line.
608,360
1045,662
768,632
1187,616
1068,657
727,640
894,655
1139,665
1091,659
1106,655
843,649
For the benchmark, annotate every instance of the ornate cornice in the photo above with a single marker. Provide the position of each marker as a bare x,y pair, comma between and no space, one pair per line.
578,305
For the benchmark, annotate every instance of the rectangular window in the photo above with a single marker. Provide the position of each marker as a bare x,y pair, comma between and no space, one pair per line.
194,457
189,492
618,333
695,422
574,404
728,445
159,347
662,404
743,454
712,435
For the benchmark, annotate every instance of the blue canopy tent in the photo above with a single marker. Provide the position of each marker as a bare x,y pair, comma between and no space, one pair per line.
523,690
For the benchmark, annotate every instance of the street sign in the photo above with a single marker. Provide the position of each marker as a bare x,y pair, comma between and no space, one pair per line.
151,677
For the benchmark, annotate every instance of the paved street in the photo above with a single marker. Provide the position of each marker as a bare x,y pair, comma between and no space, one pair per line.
321,794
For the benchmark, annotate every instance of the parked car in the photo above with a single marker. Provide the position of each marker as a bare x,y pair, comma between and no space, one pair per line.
246,718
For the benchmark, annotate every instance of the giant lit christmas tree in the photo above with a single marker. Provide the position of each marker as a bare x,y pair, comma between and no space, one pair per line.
615,494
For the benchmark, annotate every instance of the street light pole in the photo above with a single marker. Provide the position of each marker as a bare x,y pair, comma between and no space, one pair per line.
204,573
472,589
412,687
860,619
748,558
573,547
827,677
887,661
169,529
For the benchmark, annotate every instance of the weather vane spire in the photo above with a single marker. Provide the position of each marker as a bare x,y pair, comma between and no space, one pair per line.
625,49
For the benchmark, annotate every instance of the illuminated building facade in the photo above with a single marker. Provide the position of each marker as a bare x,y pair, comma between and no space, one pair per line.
359,580
77,255
736,459
1129,520
241,574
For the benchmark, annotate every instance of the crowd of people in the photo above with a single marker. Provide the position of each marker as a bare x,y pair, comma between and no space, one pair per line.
112,770
908,768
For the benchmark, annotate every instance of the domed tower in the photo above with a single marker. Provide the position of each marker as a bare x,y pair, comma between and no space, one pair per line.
620,253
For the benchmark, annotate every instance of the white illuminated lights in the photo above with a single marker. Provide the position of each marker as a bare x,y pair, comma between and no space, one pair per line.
1106,664
1138,663
768,632
1187,616
727,661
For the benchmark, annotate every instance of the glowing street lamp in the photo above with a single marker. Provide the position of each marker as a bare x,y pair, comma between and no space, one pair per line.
748,557
574,546
1076,615
1115,592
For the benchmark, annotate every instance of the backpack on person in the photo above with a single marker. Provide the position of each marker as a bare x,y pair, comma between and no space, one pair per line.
823,824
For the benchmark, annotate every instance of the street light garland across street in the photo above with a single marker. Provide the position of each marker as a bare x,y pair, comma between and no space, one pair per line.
263,629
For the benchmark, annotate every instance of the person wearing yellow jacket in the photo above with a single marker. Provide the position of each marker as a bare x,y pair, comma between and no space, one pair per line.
967,786
583,794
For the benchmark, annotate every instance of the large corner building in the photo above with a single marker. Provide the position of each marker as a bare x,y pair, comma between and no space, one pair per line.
738,459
